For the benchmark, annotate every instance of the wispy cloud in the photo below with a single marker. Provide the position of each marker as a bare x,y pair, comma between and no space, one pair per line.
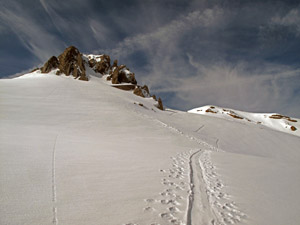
33,35
173,70
164,38
265,88
291,19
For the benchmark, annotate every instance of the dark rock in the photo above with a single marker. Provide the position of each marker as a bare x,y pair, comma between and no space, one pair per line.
103,66
34,70
142,91
51,64
138,91
71,62
92,63
145,87
160,104
115,64
122,74
113,67
115,76
125,87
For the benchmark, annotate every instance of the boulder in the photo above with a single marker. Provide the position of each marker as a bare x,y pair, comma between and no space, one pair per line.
103,66
121,74
142,91
51,64
160,104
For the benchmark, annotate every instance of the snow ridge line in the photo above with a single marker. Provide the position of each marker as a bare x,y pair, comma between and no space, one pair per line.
200,142
191,194
54,200
174,129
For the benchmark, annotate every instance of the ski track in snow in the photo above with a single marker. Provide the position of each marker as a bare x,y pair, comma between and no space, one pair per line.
192,192
54,200
217,143
199,128
215,206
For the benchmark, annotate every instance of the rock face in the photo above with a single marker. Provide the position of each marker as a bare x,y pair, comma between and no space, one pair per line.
121,74
142,91
71,62
51,64
160,104
101,65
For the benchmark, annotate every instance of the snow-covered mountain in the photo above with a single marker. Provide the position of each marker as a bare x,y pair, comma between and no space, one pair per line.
83,152
271,120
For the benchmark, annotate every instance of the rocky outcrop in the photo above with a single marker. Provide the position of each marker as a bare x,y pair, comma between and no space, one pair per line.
142,91
159,104
101,65
71,62
51,64
121,74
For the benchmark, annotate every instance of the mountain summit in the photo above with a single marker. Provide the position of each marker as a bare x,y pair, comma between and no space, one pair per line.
82,66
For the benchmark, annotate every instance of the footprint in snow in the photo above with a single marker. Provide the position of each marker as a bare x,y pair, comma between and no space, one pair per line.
148,209
149,200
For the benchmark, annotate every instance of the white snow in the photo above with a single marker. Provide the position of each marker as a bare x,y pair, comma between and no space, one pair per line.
271,120
91,56
76,152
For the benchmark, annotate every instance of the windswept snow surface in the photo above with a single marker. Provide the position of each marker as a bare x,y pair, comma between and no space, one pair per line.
77,153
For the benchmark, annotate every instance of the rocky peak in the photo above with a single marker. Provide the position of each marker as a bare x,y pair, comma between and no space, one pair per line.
72,62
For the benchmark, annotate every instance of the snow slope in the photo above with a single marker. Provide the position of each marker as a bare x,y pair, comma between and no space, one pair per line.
74,152
271,120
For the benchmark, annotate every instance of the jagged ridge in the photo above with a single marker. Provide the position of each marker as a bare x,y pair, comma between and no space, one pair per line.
72,62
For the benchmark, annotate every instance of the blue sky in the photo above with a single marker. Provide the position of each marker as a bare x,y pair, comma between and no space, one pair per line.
238,54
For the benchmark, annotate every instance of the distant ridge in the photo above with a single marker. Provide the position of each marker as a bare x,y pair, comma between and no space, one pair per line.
272,120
